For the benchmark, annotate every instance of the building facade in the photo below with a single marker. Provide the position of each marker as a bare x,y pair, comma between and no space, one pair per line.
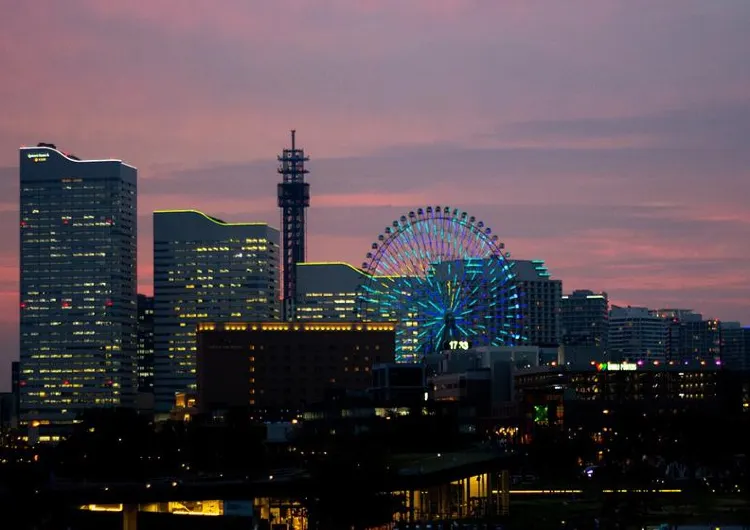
78,288
540,303
145,343
635,333
278,368
593,397
206,270
327,291
735,346
690,337
584,319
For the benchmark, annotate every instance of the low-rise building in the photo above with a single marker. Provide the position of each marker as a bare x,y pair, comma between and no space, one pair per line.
581,397
280,368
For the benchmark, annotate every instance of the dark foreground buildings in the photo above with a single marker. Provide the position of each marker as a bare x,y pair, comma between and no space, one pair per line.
281,368
590,398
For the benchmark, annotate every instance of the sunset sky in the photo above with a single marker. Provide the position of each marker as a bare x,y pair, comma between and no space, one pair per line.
610,138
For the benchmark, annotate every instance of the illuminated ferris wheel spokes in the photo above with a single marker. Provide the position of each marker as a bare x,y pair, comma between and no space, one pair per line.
442,276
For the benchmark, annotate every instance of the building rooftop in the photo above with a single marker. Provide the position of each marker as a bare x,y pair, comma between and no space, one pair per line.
296,326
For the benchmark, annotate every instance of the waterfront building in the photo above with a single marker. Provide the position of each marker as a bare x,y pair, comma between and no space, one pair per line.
77,288
327,291
585,325
636,333
145,343
540,303
206,269
735,346
277,368
689,336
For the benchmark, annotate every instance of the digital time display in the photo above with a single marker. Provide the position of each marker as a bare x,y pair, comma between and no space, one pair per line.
457,345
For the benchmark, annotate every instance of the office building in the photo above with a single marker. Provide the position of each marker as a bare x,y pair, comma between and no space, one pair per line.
278,368
735,346
689,336
636,333
594,397
584,320
327,291
78,288
540,303
206,269
145,343
15,385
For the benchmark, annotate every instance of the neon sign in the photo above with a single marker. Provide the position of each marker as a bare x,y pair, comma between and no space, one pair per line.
616,367
38,157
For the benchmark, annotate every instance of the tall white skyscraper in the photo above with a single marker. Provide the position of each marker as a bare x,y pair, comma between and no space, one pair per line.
206,270
78,288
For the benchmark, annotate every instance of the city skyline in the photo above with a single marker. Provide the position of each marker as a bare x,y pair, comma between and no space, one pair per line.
614,147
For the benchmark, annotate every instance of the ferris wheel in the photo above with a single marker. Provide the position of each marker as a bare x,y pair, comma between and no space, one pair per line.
445,280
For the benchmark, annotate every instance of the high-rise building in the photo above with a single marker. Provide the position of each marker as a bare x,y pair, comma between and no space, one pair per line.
540,303
293,199
15,387
690,337
585,324
206,270
635,333
78,288
327,291
145,343
735,346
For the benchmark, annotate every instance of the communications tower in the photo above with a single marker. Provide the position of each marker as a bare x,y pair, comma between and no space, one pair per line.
294,198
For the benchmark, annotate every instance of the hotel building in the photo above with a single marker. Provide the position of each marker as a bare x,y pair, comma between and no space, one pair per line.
283,367
636,333
206,269
540,303
77,288
145,343
585,326
327,291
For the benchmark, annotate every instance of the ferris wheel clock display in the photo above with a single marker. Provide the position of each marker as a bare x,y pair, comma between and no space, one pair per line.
444,278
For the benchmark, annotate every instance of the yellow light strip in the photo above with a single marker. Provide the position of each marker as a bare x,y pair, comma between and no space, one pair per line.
212,219
296,326
102,507
324,263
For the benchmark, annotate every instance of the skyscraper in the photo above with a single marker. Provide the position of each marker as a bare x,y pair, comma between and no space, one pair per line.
689,336
78,287
735,346
145,343
540,303
327,291
206,270
585,321
636,333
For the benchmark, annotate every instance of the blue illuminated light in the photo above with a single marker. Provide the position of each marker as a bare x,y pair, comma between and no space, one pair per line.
442,277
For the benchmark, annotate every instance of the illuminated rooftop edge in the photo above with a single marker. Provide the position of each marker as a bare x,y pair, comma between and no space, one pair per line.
212,219
296,326
74,160
345,264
